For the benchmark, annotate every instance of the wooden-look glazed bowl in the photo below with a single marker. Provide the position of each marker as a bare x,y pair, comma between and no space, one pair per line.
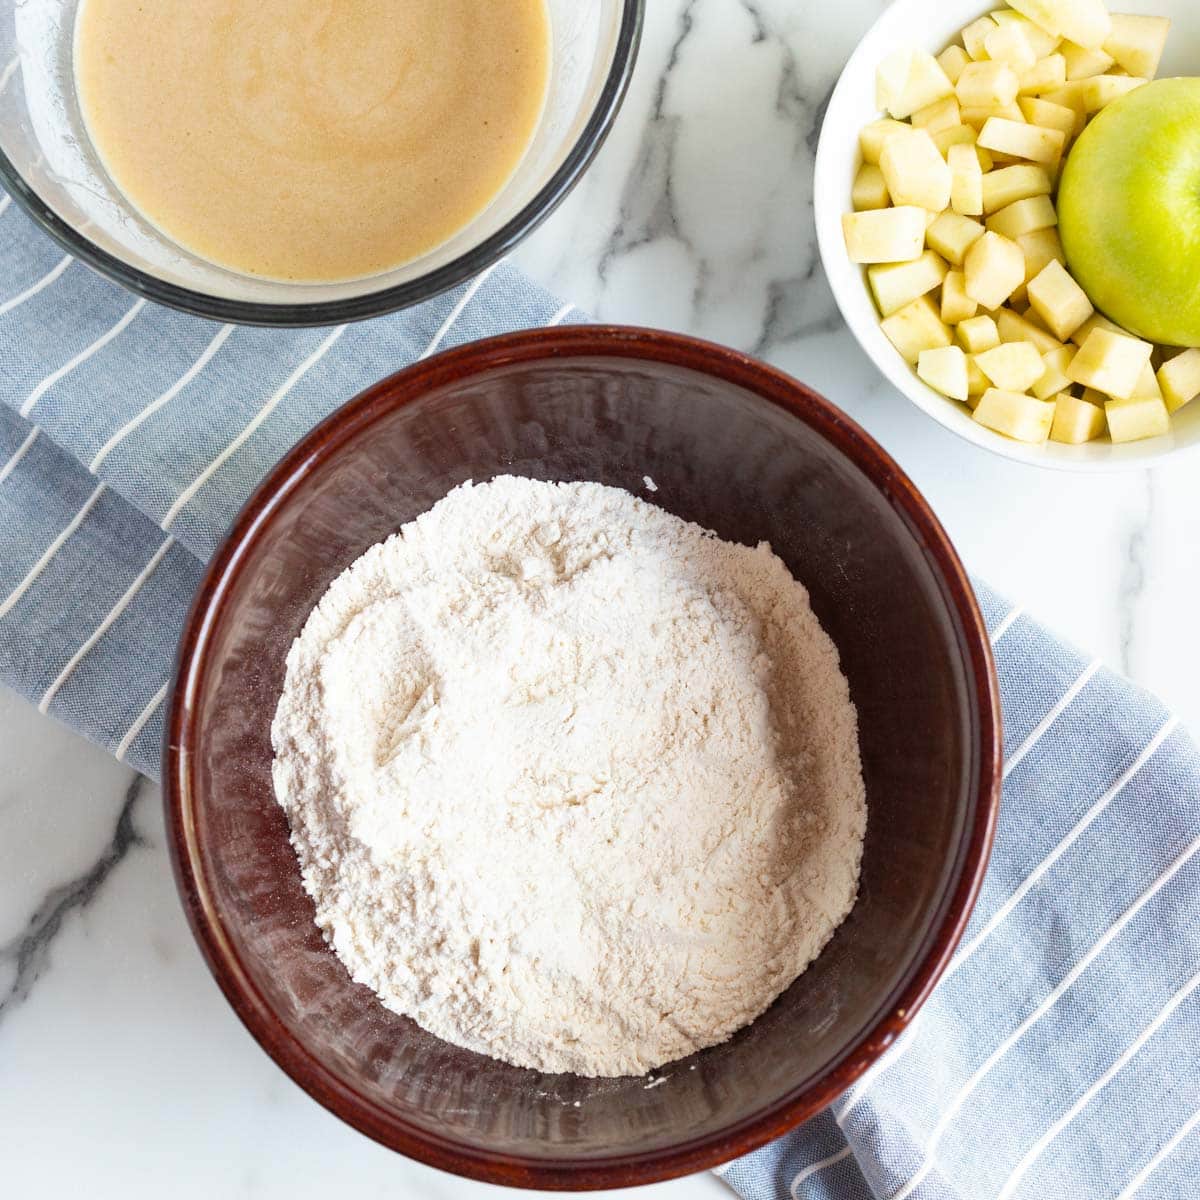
739,448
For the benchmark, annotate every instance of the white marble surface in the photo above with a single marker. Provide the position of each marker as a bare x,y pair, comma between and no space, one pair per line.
121,1068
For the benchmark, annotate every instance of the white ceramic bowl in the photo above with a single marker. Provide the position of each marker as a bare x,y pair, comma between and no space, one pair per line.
933,25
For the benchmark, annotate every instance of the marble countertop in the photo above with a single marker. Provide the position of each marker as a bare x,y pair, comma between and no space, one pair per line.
122,1067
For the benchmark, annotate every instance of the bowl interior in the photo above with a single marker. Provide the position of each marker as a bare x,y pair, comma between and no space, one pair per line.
720,455
42,135
932,25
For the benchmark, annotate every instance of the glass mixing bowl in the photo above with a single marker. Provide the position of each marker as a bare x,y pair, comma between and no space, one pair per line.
49,167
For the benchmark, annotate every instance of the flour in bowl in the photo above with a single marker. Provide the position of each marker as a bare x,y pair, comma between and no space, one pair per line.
572,783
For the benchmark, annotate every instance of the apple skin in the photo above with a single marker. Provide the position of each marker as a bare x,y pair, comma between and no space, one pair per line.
1129,211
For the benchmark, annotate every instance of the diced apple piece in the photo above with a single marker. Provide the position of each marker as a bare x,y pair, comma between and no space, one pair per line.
908,80
978,334
966,181
890,235
1076,421
1137,43
1045,75
1023,140
974,37
986,85
957,306
1048,115
977,381
1096,321
1015,415
915,328
952,235
1010,184
977,118
1133,420
1179,379
1054,378
1008,43
1040,247
1101,91
945,370
873,136
1110,362
1012,366
870,190
1083,63
897,285
1059,300
915,172
995,268
1042,42
944,114
1085,22
952,60
1015,328
956,135
1024,217
1147,385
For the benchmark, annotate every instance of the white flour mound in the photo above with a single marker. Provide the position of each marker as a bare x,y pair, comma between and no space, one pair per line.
572,783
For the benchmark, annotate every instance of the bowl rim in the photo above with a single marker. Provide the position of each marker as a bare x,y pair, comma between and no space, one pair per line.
189,858
827,188
370,304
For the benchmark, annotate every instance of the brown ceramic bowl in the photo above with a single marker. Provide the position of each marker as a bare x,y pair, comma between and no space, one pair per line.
732,445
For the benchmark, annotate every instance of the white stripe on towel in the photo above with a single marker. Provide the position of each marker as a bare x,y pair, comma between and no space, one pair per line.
1048,1003
140,723
1168,1148
1057,711
20,452
560,316
9,72
457,311
816,1167
5,201
54,547
30,292
165,398
105,625
79,359
1005,625
243,437
1039,1147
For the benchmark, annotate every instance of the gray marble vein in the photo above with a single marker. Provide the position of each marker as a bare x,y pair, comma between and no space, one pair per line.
1131,589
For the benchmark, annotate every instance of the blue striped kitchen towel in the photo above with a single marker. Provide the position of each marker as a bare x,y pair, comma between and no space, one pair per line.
1059,1056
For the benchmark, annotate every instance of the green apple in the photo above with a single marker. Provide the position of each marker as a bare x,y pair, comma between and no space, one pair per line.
1129,211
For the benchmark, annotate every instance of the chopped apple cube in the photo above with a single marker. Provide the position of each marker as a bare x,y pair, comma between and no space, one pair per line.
1085,22
1054,378
1010,184
890,235
1015,328
1012,366
873,136
945,370
995,268
1179,379
1101,91
957,306
1042,42
986,85
966,181
978,334
1076,421
1009,44
908,80
955,135
897,285
952,235
870,190
1132,420
943,114
1111,363
915,328
1045,75
1040,248
977,118
1136,43
1023,140
915,171
1147,385
1015,415
974,37
1083,63
1048,115
1096,321
952,60
1059,300
1024,217
977,381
